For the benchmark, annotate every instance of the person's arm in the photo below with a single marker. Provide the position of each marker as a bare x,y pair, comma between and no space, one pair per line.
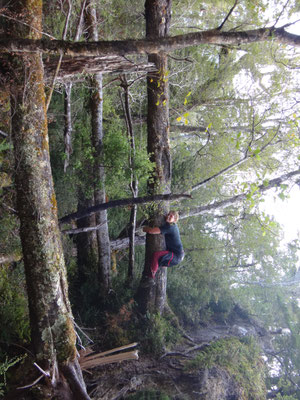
154,231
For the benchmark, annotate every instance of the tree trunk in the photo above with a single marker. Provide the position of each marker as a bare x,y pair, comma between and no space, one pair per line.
72,68
158,16
134,185
68,125
104,274
52,330
86,243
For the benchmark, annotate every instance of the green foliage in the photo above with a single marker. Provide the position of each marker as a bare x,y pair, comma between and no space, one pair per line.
116,159
13,306
10,241
126,18
4,367
159,333
241,358
4,145
195,284
148,395
287,390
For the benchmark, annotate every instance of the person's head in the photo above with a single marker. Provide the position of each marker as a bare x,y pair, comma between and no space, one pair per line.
172,217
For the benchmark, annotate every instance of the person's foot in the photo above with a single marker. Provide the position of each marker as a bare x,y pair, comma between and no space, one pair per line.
147,281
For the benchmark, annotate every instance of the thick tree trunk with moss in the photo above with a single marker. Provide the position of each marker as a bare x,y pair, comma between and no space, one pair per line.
52,330
99,171
158,16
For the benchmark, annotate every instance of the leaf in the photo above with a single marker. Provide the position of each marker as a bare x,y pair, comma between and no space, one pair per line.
178,119
157,103
189,93
185,101
186,114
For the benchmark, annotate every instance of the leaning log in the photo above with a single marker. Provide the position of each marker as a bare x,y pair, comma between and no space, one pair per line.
120,203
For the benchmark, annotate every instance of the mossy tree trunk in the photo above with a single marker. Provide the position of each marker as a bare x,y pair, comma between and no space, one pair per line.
158,15
52,330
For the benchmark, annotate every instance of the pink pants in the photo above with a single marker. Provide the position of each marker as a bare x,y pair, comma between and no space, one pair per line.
155,260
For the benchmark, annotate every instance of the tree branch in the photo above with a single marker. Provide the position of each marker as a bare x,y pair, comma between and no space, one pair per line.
228,15
60,56
3,134
120,203
80,22
235,199
147,46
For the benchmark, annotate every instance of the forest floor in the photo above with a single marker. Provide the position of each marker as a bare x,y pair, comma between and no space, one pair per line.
167,373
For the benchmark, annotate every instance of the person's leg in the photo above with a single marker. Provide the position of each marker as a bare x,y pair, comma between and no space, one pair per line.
155,261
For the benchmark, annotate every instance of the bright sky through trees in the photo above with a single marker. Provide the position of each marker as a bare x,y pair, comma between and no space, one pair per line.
286,212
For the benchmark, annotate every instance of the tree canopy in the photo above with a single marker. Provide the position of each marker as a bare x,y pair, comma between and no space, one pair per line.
112,113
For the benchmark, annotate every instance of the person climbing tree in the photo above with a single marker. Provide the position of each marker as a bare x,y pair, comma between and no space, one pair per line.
173,254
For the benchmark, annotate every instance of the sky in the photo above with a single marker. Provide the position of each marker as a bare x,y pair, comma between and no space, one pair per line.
286,212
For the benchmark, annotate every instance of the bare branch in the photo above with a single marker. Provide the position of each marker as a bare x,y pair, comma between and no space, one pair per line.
31,384
228,15
148,46
24,23
82,230
282,11
3,133
60,56
240,197
121,203
80,22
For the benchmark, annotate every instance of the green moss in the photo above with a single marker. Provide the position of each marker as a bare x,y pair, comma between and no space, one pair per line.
241,359
63,335
13,306
159,333
65,338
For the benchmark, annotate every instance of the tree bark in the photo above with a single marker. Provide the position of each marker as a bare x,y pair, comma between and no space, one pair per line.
71,67
52,330
86,242
68,125
104,270
133,181
148,45
158,15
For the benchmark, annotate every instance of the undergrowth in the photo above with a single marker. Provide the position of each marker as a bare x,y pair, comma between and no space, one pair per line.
240,358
